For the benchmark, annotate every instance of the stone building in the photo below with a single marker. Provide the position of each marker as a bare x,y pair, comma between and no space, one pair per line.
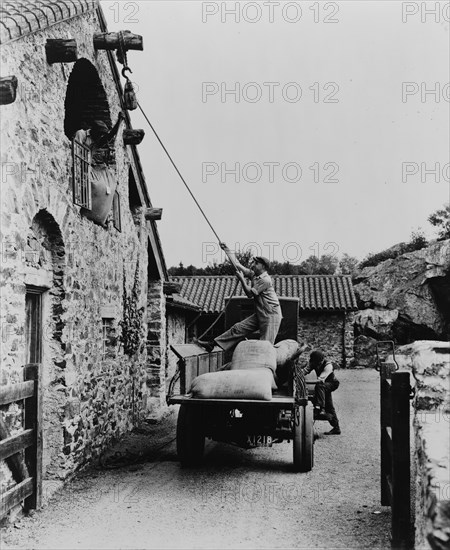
326,306
82,267
181,314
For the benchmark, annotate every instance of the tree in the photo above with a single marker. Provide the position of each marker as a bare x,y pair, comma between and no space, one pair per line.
325,265
441,220
223,268
328,264
347,265
179,270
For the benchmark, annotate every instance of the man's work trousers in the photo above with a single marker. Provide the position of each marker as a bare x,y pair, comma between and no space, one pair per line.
324,400
267,326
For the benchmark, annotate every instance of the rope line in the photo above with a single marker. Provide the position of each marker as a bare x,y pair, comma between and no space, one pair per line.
222,312
201,210
179,173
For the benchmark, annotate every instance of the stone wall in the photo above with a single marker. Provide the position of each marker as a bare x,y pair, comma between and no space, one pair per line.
176,334
328,332
92,391
349,339
156,349
430,363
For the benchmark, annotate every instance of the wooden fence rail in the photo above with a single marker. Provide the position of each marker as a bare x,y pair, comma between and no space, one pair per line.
395,451
23,451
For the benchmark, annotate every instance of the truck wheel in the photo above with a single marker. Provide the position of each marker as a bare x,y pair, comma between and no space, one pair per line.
308,439
303,439
190,435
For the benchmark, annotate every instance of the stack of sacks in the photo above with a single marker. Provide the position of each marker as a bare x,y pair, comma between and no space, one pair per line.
251,374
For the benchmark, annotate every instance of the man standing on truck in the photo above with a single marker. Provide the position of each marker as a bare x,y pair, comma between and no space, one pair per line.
326,383
267,316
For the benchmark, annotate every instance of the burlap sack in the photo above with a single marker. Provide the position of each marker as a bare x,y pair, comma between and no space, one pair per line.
285,351
251,354
234,384
103,186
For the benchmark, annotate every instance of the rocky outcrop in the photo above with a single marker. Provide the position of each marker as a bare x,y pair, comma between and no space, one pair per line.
365,351
377,323
406,298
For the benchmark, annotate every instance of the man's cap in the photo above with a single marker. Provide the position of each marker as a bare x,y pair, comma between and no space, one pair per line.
262,260
316,357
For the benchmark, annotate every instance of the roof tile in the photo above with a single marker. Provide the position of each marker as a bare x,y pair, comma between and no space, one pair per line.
21,17
315,292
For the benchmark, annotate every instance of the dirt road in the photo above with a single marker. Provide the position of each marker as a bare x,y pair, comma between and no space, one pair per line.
237,499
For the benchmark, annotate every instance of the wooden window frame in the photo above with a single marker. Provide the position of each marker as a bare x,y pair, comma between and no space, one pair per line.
81,177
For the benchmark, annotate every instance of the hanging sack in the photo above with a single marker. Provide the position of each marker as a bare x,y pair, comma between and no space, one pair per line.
103,187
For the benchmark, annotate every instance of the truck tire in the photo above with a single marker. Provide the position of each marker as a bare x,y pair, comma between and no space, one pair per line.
303,439
190,435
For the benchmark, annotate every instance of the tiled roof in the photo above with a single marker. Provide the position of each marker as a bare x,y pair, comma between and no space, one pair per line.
21,17
175,300
316,292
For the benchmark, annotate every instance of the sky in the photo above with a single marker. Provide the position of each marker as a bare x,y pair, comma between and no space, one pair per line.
301,127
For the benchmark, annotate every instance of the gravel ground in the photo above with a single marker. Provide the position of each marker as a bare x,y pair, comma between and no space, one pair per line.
236,499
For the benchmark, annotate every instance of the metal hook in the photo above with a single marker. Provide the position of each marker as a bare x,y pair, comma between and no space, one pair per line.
124,70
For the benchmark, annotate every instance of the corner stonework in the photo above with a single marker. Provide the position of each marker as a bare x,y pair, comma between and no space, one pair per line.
156,350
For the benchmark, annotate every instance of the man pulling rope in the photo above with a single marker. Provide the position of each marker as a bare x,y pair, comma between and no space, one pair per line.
267,316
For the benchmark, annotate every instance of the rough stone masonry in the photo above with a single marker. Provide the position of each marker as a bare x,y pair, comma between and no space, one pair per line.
92,391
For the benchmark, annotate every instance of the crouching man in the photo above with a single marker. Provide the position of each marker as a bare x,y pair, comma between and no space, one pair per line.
327,383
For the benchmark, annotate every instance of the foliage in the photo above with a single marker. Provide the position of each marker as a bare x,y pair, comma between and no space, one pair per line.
348,265
325,265
441,220
224,268
132,324
417,242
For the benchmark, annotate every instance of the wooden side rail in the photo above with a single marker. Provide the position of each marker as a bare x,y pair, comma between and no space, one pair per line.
193,361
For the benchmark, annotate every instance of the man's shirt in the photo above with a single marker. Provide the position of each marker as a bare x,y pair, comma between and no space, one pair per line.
266,300
322,371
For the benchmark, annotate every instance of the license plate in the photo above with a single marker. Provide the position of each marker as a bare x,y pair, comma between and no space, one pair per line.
259,440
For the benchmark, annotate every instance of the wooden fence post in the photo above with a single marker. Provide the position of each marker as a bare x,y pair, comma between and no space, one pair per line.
33,420
386,370
400,460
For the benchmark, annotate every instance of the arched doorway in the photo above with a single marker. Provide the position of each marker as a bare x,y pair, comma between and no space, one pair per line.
45,257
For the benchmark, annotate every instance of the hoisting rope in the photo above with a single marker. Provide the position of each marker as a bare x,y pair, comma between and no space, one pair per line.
179,173
203,213
221,313
122,58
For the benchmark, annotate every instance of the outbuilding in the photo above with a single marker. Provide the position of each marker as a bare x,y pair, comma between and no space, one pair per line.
325,309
